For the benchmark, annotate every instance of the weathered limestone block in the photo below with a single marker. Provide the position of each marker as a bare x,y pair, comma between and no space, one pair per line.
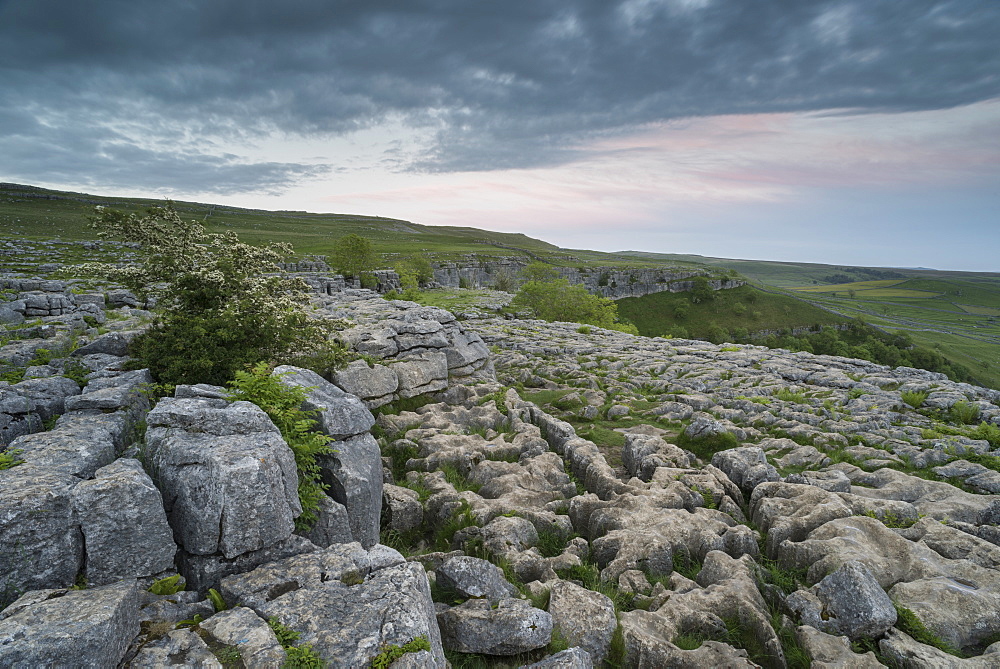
746,466
40,542
176,648
338,414
346,602
473,577
465,348
401,507
571,658
790,511
206,571
513,627
375,385
242,628
728,589
332,525
75,446
124,525
832,652
85,628
227,477
904,651
642,454
354,474
586,618
425,373
47,395
112,343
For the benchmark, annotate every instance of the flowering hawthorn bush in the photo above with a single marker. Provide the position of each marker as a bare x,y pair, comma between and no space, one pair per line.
221,305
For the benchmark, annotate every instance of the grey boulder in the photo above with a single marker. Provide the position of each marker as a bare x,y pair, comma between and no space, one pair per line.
472,577
338,414
124,525
354,474
586,618
849,602
513,627
228,479
87,628
746,466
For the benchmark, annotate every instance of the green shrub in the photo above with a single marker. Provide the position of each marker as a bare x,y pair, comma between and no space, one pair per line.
964,412
354,256
283,405
558,300
222,304
986,432
914,398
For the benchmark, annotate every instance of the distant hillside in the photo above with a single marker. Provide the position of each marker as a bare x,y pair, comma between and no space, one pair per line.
39,213
954,314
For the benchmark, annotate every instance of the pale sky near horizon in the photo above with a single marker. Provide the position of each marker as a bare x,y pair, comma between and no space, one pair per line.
859,132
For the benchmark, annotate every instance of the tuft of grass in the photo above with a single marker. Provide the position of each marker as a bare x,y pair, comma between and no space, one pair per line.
907,621
455,478
461,519
706,447
297,657
551,542
685,565
786,395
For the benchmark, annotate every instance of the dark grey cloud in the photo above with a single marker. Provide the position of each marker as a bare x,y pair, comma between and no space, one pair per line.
498,84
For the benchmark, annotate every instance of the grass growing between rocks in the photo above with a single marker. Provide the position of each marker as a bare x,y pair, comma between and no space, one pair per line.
706,447
907,621
393,652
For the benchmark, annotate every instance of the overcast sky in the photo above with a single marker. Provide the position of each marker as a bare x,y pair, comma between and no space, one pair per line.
855,132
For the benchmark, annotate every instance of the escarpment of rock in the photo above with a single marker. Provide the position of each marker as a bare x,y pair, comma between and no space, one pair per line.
611,282
511,488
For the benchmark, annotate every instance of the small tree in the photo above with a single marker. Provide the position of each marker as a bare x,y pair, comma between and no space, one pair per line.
539,271
558,300
222,305
355,257
701,290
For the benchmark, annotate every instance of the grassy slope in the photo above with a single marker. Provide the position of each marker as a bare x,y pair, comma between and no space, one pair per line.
64,215
955,313
654,314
